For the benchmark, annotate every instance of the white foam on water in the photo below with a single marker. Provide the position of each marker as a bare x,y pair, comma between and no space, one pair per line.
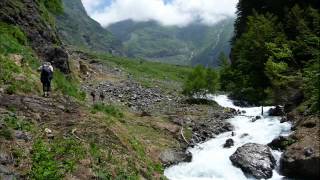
210,160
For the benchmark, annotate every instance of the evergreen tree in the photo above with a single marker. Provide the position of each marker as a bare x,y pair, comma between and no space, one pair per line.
201,81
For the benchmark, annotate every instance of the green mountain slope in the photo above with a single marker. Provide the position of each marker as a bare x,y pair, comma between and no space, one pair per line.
193,44
76,28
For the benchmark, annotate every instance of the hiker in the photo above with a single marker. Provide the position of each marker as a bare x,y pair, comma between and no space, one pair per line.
46,77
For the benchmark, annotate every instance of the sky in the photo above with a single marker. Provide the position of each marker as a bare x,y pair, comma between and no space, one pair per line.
166,12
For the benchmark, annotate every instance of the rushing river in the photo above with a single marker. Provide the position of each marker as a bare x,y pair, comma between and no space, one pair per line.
210,160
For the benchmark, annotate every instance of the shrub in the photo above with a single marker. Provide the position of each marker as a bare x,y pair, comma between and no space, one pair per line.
201,81
53,161
44,166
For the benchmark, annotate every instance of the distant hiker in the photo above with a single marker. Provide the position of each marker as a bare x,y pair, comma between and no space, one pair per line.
46,77
93,95
102,96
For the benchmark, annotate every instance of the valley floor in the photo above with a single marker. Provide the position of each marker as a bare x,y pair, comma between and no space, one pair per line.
124,129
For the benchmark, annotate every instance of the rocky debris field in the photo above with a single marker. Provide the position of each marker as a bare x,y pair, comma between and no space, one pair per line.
128,93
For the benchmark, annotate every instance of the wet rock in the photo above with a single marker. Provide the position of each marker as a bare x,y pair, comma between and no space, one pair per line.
284,119
171,157
301,162
277,111
308,152
229,143
254,159
280,143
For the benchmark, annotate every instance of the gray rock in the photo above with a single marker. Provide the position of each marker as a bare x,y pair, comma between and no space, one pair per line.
280,143
254,159
6,174
171,156
5,159
277,111
229,143
23,136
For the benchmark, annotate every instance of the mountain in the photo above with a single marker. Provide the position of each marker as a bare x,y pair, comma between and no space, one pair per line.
77,29
190,45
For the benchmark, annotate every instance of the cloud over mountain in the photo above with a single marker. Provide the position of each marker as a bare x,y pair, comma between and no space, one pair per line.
174,12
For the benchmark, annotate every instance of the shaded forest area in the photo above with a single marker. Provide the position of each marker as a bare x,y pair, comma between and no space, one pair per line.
275,54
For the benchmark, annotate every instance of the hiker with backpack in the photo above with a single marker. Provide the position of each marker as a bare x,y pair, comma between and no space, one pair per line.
46,77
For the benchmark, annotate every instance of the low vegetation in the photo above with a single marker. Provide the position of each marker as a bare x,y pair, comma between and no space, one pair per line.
148,73
107,109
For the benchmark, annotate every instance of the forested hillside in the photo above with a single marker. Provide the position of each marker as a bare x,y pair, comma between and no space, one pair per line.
190,45
275,53
276,60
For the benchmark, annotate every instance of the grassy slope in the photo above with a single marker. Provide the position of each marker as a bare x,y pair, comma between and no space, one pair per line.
150,74
118,144
110,141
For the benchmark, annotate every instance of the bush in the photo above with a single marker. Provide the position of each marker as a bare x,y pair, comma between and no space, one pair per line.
201,81
53,161
67,85
44,166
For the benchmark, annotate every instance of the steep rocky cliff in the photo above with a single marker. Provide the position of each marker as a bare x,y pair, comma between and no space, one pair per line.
36,21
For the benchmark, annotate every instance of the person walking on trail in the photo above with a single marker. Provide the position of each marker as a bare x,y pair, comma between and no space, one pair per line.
46,77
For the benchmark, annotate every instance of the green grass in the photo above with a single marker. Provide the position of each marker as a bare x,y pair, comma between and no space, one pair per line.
18,124
6,133
14,41
149,73
67,85
107,109
56,159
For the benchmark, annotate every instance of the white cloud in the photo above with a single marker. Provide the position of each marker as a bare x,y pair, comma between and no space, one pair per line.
177,12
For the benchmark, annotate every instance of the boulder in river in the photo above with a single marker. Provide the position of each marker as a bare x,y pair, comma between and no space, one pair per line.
280,143
277,111
254,159
229,143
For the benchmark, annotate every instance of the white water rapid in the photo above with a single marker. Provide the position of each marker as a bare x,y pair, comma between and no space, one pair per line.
210,160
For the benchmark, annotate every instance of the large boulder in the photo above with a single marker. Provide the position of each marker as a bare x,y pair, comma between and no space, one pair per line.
254,159
59,58
171,157
301,159
281,143
277,111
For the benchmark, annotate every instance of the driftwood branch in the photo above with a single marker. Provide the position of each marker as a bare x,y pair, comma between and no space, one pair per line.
77,137
184,138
